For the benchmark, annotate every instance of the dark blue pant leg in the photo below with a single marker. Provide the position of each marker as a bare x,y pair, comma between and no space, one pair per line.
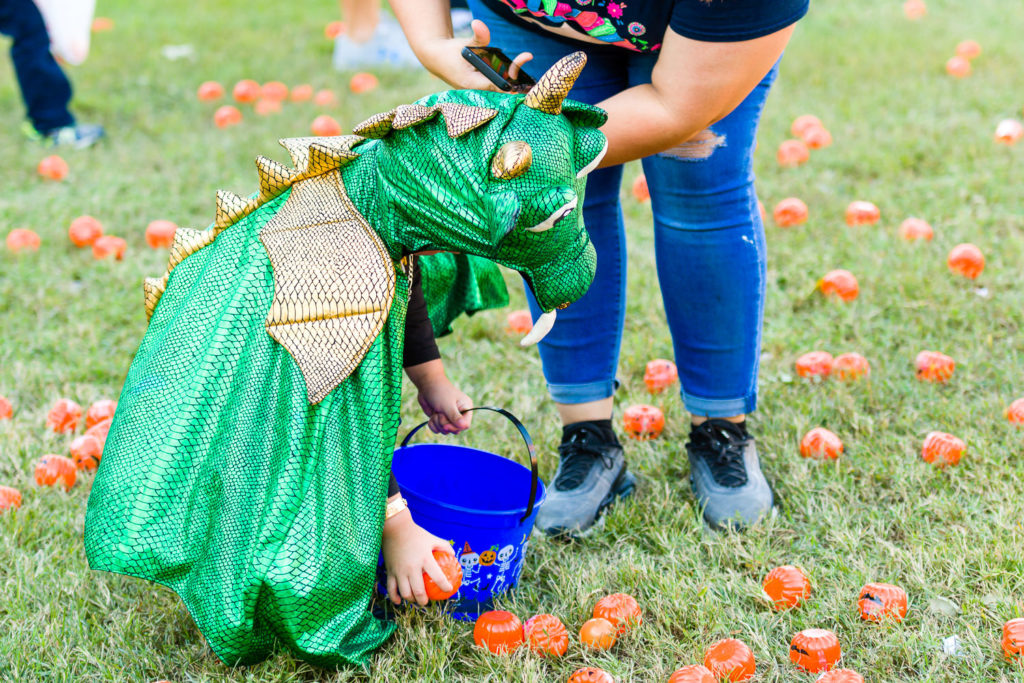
44,87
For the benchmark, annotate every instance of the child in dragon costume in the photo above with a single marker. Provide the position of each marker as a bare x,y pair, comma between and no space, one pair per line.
247,466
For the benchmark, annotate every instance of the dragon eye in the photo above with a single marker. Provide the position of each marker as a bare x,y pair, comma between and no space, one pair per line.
556,215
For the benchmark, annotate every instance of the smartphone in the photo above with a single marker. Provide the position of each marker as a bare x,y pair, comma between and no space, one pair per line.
493,63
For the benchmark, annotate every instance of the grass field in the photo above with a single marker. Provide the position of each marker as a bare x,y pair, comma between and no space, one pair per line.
907,137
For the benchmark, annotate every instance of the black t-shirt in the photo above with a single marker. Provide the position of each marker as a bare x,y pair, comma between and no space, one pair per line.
640,25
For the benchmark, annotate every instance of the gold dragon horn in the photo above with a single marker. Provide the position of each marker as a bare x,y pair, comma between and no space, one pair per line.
554,85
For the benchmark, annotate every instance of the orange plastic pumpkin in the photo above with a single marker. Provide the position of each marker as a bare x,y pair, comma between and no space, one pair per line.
968,49
499,631
915,9
840,676
786,587
160,234
1014,412
325,125
362,82
274,90
10,498
916,229
640,190
23,239
209,91
621,610
933,366
54,469
862,213
266,107
1013,639
301,93
598,633
814,364
6,409
660,374
967,260
839,283
694,673
643,422
334,29
518,322
789,212
815,650
246,91
325,98
1009,131
225,116
107,246
878,601
452,571
849,366
86,451
941,449
730,658
817,138
53,168
100,430
64,416
792,153
958,67
84,230
590,674
101,24
804,123
99,411
546,635
821,444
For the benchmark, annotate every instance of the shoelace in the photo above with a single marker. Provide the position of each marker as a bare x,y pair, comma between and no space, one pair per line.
578,455
725,445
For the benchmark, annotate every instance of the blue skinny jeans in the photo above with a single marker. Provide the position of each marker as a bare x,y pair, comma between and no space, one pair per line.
708,239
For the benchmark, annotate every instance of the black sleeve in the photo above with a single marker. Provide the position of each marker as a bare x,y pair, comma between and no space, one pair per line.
731,21
392,486
420,346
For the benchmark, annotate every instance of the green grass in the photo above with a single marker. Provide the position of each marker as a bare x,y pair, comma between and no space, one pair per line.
907,137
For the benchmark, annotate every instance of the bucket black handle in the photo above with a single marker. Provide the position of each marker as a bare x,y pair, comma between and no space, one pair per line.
531,449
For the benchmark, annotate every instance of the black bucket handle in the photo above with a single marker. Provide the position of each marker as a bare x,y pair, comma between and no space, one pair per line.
531,449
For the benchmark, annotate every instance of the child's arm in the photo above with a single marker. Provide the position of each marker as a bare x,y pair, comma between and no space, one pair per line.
408,553
438,397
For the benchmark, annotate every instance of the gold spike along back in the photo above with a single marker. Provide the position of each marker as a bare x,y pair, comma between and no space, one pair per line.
459,119
555,84
377,126
230,208
186,243
275,178
153,289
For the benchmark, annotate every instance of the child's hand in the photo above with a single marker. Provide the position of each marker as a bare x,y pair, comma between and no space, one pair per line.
408,553
442,402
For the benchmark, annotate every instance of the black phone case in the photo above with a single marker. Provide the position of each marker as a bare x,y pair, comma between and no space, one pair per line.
483,67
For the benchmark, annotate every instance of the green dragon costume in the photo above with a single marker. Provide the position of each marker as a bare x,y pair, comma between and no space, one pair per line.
247,465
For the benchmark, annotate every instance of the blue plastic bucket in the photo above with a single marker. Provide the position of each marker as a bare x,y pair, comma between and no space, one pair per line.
482,503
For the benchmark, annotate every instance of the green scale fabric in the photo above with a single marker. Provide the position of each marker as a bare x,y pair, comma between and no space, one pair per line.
454,284
223,477
223,483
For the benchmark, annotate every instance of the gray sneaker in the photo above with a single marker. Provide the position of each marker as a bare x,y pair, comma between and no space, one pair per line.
726,476
591,475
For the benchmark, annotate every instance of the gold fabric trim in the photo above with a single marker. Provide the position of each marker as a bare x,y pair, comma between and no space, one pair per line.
334,282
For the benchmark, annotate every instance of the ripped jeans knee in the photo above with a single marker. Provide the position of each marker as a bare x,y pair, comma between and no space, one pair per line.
701,146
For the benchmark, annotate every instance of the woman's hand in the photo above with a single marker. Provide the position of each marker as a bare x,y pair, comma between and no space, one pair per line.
408,554
443,58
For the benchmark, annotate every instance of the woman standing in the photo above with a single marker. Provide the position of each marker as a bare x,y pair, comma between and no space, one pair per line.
684,83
